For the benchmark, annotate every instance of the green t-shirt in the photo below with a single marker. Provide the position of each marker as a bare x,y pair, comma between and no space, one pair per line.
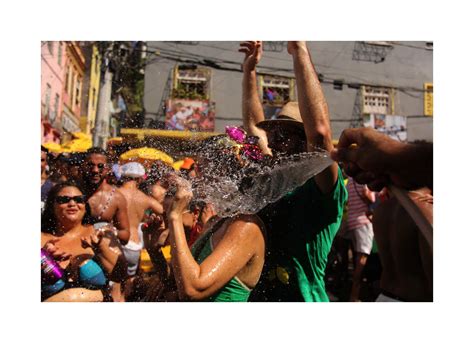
300,229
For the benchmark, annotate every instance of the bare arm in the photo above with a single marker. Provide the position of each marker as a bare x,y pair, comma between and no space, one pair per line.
369,195
375,159
155,205
252,110
233,252
314,110
106,248
229,257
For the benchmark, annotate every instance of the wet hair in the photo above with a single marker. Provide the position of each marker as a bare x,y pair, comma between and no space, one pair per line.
157,171
48,218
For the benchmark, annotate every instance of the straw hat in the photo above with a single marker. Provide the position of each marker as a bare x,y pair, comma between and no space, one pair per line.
288,115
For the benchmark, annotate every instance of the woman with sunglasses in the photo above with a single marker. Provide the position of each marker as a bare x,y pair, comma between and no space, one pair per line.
88,258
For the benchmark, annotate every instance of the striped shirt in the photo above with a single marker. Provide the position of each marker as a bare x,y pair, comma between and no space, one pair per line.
356,207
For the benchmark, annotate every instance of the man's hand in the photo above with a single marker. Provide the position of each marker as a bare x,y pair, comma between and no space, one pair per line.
372,158
253,54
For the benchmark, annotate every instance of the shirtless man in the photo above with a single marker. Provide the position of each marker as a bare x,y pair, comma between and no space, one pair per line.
406,252
106,203
137,203
406,256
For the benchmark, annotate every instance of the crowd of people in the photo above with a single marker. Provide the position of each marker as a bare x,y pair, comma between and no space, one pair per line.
98,218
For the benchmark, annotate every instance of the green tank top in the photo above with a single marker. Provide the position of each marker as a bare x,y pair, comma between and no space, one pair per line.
234,290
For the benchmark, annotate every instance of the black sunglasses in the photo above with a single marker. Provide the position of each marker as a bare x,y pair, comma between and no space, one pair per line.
63,199
99,165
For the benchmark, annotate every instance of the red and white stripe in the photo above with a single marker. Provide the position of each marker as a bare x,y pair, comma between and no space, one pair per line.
356,207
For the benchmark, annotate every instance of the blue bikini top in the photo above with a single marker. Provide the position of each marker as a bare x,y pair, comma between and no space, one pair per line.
91,276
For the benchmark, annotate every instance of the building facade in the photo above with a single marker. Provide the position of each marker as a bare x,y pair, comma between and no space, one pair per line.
91,86
388,84
72,91
53,62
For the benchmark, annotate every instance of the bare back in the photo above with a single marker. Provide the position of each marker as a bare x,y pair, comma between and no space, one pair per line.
107,204
405,254
137,203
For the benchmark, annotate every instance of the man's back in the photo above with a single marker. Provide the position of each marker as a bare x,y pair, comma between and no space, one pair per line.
107,204
137,203
406,258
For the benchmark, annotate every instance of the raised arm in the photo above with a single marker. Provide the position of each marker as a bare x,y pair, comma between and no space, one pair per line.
155,205
233,252
314,110
252,110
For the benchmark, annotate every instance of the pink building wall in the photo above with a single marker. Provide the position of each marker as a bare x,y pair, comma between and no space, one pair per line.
53,62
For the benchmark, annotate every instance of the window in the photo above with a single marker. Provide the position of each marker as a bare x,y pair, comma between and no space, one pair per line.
276,90
56,107
97,64
428,99
47,99
78,92
68,76
60,53
93,97
50,47
377,100
191,83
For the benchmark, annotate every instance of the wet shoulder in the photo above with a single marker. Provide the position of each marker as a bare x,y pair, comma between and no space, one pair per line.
242,219
236,229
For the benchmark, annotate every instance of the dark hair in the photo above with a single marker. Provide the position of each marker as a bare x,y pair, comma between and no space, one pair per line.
48,219
157,171
44,149
96,150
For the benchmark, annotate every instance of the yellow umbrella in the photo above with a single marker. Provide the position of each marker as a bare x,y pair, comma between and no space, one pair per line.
52,147
78,145
177,165
146,154
81,135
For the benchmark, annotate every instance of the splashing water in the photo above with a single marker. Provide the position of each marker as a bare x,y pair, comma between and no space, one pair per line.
256,184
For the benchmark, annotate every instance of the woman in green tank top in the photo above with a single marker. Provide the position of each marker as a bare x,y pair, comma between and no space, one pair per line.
226,261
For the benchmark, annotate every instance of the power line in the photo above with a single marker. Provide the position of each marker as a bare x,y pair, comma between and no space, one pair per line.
212,62
323,79
414,46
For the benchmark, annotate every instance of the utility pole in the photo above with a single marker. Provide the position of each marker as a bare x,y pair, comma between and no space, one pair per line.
102,120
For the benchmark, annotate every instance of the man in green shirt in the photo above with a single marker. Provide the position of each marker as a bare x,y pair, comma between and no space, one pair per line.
302,225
